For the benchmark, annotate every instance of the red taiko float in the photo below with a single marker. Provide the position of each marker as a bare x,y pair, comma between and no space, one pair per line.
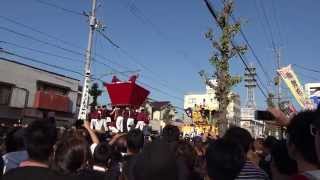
126,93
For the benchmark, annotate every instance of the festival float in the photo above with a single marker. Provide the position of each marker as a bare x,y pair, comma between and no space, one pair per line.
126,93
201,122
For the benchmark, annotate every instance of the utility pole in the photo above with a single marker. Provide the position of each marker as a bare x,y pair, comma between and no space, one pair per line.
87,79
278,56
278,59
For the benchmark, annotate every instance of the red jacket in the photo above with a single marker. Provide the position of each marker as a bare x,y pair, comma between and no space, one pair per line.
143,117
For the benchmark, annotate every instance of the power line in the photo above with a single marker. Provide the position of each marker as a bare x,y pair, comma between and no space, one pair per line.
306,68
41,52
253,53
52,37
41,41
276,17
264,12
211,10
136,12
39,32
134,59
41,62
77,72
70,44
60,8
57,46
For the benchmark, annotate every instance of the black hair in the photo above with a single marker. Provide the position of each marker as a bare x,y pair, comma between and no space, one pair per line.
121,144
281,159
241,136
14,140
102,154
40,137
300,136
269,142
135,140
157,161
225,159
72,154
171,133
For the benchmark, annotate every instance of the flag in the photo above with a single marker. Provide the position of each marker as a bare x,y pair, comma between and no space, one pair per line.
291,80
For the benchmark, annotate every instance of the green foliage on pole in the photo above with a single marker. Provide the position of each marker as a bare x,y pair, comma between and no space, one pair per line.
95,92
223,51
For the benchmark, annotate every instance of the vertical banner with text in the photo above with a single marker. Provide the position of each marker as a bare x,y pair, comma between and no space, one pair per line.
291,80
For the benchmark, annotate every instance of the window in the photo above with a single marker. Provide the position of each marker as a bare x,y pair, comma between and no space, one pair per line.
52,88
192,101
5,94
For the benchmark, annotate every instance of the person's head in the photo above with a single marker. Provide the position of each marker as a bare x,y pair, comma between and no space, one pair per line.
185,152
315,129
301,142
121,144
14,140
171,133
71,155
241,136
157,161
102,154
282,165
40,137
268,144
225,159
104,107
135,140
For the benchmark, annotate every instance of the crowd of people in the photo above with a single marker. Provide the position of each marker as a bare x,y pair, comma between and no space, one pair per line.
117,119
43,151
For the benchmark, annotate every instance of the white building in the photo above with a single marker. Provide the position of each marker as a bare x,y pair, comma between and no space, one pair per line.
313,92
248,121
209,102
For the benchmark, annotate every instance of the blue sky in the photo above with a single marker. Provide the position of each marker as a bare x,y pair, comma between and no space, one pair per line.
167,37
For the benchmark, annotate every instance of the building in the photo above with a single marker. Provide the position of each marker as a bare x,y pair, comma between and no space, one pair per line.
160,112
208,101
313,92
29,93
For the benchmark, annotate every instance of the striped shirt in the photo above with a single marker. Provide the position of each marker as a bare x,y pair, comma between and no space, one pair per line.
250,171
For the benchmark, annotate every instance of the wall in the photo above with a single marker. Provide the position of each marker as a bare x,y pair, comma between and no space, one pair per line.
27,77
212,104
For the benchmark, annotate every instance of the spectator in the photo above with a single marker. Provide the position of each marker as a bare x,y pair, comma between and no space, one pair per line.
135,142
268,145
243,137
16,152
282,166
301,145
225,160
102,157
73,159
40,137
171,133
157,162
186,158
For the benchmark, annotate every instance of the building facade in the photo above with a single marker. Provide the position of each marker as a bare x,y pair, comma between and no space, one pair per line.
160,113
28,93
209,102
313,92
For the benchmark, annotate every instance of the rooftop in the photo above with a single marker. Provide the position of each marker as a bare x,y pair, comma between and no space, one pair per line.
26,65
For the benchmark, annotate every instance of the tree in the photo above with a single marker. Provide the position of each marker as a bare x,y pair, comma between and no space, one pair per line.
223,51
95,92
